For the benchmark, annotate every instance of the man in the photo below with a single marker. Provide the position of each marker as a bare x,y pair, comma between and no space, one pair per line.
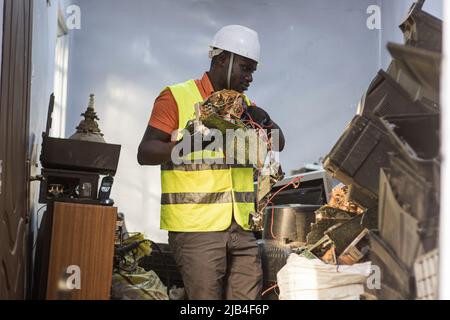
206,208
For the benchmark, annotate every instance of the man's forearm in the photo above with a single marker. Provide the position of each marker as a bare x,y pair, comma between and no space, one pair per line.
155,152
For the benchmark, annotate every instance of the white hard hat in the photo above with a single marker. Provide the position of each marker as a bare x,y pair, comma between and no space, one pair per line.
239,40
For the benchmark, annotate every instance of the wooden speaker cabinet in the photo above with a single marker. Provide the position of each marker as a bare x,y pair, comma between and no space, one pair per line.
81,252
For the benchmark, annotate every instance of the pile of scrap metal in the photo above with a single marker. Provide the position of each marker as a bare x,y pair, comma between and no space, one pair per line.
339,235
389,156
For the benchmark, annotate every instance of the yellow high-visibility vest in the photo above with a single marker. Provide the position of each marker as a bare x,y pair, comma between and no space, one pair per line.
203,197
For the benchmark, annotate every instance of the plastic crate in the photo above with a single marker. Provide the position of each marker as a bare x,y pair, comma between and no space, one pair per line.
406,235
417,71
416,139
358,156
361,197
414,193
386,97
415,164
363,148
421,29
396,279
426,275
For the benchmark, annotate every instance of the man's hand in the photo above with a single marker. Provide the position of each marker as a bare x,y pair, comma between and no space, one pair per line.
260,116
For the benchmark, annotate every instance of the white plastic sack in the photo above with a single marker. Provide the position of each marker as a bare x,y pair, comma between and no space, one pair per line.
312,279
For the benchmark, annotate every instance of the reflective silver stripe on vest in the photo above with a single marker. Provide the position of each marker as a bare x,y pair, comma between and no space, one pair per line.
200,167
206,198
244,197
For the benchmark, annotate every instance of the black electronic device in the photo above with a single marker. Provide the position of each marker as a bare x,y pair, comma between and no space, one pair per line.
72,167
105,190
66,184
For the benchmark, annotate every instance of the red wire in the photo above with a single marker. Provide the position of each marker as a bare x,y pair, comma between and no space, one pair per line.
273,207
254,123
270,289
271,223
287,185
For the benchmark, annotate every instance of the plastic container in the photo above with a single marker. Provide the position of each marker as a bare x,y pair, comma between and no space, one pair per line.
364,146
417,71
406,235
358,156
415,163
416,139
421,29
362,198
386,97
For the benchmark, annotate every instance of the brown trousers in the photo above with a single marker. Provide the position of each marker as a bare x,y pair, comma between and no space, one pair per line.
218,265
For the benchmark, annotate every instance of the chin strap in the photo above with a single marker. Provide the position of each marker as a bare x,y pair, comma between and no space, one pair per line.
230,68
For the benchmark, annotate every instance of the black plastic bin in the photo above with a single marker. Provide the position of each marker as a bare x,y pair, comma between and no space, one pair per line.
415,164
421,29
385,97
358,156
417,71
360,196
416,140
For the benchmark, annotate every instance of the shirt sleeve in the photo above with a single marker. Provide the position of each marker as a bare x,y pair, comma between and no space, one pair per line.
165,113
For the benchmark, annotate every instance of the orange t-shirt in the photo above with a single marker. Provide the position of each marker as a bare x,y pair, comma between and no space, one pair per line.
165,110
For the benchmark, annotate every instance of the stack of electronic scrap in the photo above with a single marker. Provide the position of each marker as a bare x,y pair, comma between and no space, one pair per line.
389,157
